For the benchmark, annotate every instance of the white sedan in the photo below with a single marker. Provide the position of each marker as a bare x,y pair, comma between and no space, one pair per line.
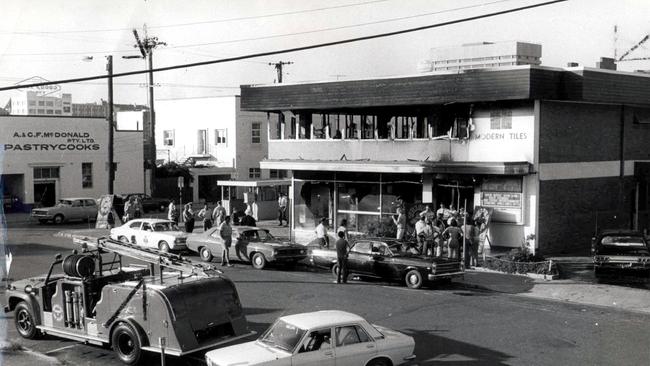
155,233
325,338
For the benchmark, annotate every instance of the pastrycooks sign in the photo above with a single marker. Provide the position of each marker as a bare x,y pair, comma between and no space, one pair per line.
52,141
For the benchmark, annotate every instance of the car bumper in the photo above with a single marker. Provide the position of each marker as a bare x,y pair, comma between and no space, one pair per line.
287,258
433,277
41,216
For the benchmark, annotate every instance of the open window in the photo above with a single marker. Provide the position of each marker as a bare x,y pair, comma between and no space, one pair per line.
317,340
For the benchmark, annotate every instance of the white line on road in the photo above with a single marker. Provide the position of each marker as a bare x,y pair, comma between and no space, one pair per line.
61,348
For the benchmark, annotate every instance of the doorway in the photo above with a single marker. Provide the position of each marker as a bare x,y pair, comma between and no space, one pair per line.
44,194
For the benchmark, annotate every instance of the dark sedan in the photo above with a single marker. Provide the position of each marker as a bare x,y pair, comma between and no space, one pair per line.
150,203
621,252
249,244
382,258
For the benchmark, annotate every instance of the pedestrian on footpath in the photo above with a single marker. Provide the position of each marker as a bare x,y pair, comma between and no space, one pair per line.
471,232
420,226
344,229
321,234
129,209
138,207
282,208
206,215
218,214
188,217
454,235
172,212
225,231
342,248
400,222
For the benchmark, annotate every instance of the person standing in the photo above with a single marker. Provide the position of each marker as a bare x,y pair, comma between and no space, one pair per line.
138,207
218,214
206,215
471,258
342,248
344,229
188,217
321,234
129,209
400,222
429,232
454,235
248,219
225,231
282,208
420,226
172,212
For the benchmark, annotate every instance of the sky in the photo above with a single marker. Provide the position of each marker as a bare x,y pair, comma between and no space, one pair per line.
51,38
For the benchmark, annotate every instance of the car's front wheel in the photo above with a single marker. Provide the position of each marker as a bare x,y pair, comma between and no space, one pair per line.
24,319
206,254
379,362
413,279
258,261
126,344
163,247
58,219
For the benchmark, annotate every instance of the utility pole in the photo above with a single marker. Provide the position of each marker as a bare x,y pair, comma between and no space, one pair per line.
278,68
146,47
111,124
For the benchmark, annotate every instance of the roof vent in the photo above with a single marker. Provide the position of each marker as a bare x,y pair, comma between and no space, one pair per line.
606,63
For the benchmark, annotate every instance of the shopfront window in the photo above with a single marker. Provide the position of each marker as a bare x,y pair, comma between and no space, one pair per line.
313,201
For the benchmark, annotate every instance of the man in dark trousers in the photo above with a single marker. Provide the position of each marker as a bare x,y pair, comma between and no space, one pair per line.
342,258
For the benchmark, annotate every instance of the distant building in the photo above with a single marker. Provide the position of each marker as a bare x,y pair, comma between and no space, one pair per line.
101,109
33,103
482,55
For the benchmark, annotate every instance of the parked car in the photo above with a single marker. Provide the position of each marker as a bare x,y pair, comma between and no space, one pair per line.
68,209
320,338
250,244
154,233
149,203
383,258
128,307
621,252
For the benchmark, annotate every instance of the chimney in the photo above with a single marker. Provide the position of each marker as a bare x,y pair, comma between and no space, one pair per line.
572,64
606,63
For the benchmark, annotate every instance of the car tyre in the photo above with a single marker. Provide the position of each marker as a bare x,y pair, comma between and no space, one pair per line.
379,362
335,271
163,247
206,254
58,219
413,279
24,319
126,344
258,261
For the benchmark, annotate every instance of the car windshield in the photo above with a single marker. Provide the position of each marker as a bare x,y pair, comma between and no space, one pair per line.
257,235
64,203
283,335
165,226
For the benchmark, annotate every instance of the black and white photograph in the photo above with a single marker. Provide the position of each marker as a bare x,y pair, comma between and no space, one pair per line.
333,183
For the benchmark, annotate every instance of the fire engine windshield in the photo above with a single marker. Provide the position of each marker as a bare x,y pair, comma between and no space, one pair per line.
283,335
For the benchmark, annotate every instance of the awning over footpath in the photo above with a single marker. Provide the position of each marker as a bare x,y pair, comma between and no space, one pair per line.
255,183
418,167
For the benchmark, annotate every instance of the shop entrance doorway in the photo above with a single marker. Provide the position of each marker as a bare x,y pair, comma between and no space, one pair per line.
454,193
44,194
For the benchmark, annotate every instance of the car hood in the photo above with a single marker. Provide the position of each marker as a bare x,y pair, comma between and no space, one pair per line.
250,353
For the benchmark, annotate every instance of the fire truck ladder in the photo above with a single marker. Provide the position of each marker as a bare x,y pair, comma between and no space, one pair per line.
152,256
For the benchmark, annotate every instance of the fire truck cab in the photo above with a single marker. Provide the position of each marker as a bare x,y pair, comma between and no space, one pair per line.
185,308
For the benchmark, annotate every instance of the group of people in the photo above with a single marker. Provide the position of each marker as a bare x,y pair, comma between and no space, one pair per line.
210,217
132,208
442,232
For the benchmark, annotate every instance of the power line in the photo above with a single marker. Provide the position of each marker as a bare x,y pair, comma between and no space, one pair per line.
274,36
203,22
295,49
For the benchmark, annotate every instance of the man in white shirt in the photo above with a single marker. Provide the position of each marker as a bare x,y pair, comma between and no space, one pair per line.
282,208
321,233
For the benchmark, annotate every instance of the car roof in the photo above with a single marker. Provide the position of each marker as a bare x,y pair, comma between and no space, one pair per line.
151,221
77,198
321,318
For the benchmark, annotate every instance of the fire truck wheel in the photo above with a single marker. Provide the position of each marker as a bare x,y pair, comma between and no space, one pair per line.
126,344
206,254
163,246
24,319
258,261
413,279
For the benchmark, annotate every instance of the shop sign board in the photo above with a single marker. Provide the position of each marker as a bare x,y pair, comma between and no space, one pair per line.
41,90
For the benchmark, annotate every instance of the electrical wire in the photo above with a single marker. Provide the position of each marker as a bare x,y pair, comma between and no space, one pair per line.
203,22
288,50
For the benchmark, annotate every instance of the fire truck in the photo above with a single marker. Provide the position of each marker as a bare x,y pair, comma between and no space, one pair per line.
184,308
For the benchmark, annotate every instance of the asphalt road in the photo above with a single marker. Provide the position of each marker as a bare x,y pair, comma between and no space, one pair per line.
451,325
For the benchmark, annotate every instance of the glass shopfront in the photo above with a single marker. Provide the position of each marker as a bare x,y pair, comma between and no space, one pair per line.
367,202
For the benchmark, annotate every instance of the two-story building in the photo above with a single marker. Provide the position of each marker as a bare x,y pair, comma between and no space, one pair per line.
219,142
556,153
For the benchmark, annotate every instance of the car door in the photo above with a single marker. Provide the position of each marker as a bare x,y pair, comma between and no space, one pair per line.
240,243
315,349
76,211
133,232
359,258
215,243
147,235
90,207
383,266
353,345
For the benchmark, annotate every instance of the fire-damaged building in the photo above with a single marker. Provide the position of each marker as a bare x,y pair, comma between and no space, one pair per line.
555,154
